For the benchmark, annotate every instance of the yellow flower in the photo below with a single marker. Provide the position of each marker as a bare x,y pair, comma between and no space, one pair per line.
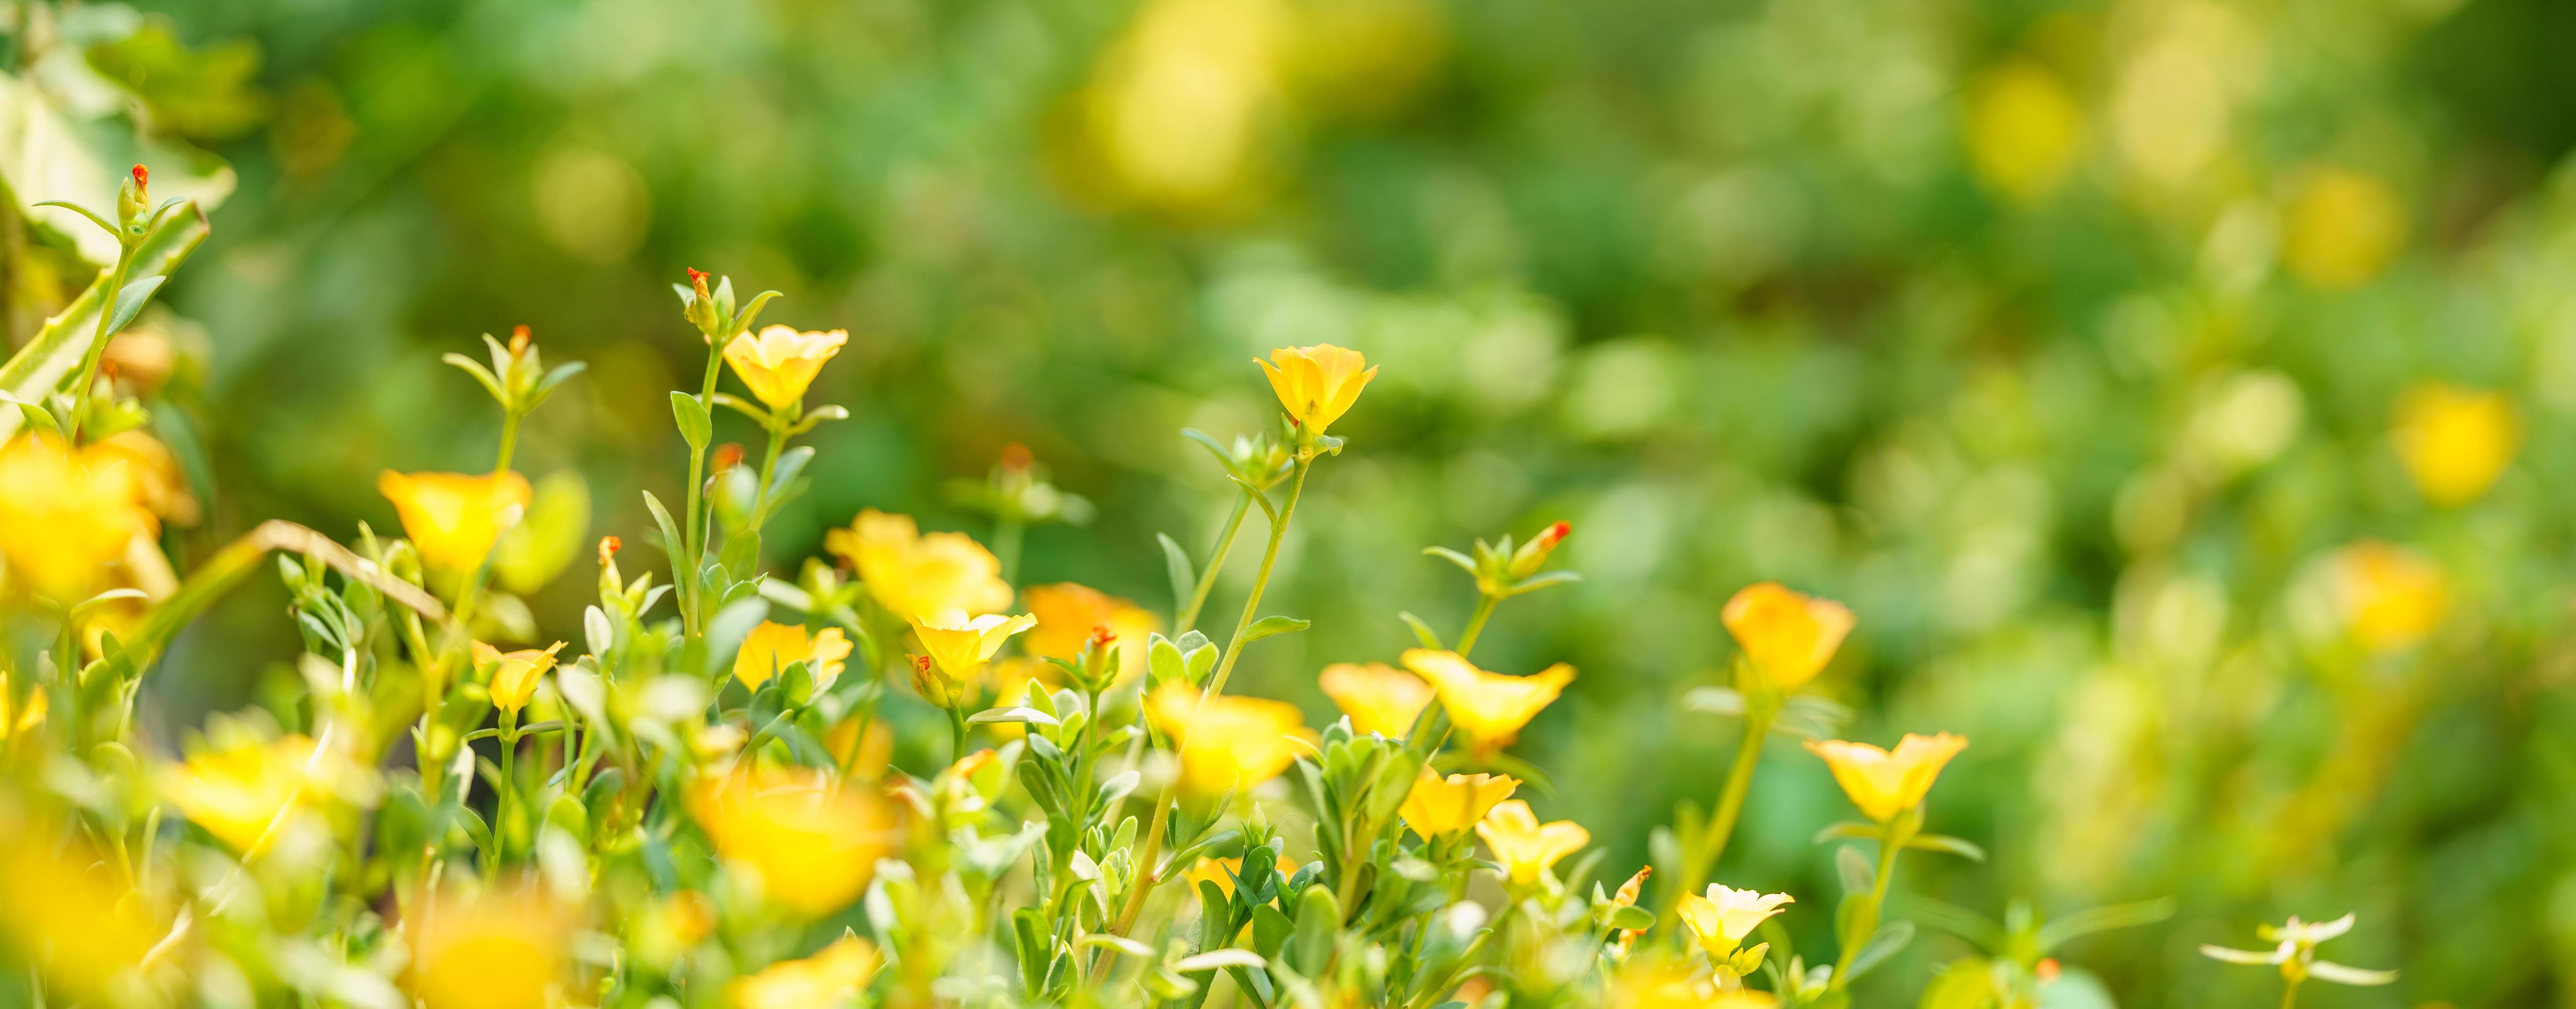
1884,784
1440,806
2342,229
813,843
515,675
63,909
1067,613
1222,871
1178,112
159,483
495,951
2455,441
19,721
774,646
2024,129
1226,743
961,644
2390,598
1489,707
1525,846
1724,917
828,978
452,518
65,516
780,363
1316,384
1786,635
913,575
236,790
1663,983
1379,698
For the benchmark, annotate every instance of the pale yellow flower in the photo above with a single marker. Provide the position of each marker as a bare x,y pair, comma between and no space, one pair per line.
1787,635
1724,917
1317,384
515,675
1440,806
1067,613
237,790
771,647
2390,598
1177,113
831,977
780,363
1884,784
1662,983
159,483
1524,846
2342,228
66,516
2024,128
453,518
65,911
1226,743
1489,707
493,951
1379,698
813,842
913,575
2455,441
961,645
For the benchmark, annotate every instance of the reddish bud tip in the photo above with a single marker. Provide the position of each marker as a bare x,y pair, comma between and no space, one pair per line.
921,662
142,176
609,546
1102,636
1017,457
728,456
2046,969
1557,533
518,340
698,280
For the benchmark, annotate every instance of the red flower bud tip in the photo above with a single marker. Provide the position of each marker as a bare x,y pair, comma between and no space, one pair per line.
518,341
2047,970
608,547
142,178
728,456
1017,458
921,662
1102,636
698,279
1556,534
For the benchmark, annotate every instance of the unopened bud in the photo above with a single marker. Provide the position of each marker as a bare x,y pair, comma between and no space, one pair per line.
934,686
728,456
608,548
1532,555
518,341
133,201
1017,458
610,581
1099,658
700,307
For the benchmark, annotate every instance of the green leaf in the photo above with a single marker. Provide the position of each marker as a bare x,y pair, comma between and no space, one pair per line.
55,351
1271,626
1947,844
1213,447
1887,942
1013,715
1535,583
671,543
1632,918
130,302
1270,931
481,374
1422,632
1176,564
695,426
1464,562
750,313
1319,919
1853,869
2103,919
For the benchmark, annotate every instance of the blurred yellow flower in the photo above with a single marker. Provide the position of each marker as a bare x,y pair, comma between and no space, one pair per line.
2455,441
813,842
453,518
1379,698
961,644
1067,613
1884,784
1490,708
238,788
1226,743
1722,918
1222,871
1440,806
515,675
1176,114
159,483
913,575
2024,129
1663,983
19,720
2342,228
779,363
65,516
2390,598
1317,384
1525,846
830,977
1787,635
493,951
771,647
64,911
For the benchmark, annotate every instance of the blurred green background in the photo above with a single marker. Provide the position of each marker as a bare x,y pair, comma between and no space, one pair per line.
2061,340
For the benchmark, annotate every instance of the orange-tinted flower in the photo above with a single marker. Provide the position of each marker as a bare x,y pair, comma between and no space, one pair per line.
1068,613
1787,636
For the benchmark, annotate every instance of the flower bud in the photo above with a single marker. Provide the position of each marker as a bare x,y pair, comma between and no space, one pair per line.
1099,659
934,685
134,202
700,308
610,583
1532,555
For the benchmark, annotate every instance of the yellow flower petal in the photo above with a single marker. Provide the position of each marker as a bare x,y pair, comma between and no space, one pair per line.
1226,743
1786,635
1379,698
780,363
1489,708
1882,783
1440,806
1525,846
453,518
1317,384
913,575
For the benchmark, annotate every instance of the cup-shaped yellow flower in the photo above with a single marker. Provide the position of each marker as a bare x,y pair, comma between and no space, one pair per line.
1724,917
65,516
1525,847
1317,384
515,675
1489,708
1226,743
453,518
1786,635
774,646
830,977
1379,698
2455,441
813,842
779,363
1067,614
2390,598
961,644
237,789
913,575
1443,807
1882,783
502,950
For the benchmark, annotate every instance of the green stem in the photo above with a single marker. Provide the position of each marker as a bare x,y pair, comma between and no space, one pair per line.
509,784
1864,917
509,440
1260,581
1697,863
684,570
1007,534
2290,993
1485,603
956,734
98,342
768,469
1189,617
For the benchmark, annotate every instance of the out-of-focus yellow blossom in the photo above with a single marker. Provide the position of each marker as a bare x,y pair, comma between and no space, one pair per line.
493,951
780,363
1222,871
1489,708
1367,58
961,644
2390,598
65,516
1661,983
237,790
1067,613
1379,698
1177,112
1317,384
453,518
515,675
813,841
771,647
2455,441
2177,92
159,483
1226,743
831,977
1882,783
1438,807
913,575
866,755
2024,129
1525,846
19,720
2342,228
1788,636
64,910
1722,918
